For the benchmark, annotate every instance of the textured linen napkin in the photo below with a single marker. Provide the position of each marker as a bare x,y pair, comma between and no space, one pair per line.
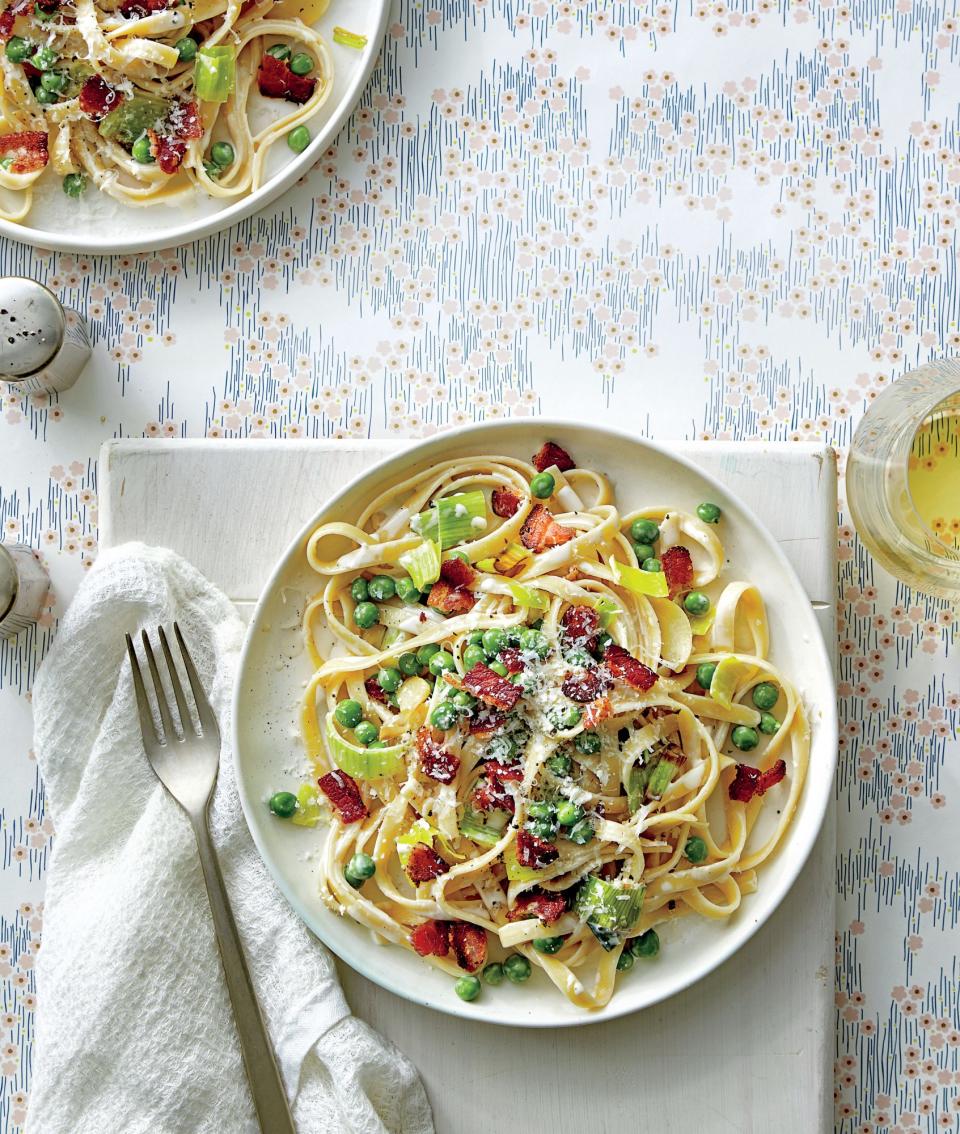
134,1030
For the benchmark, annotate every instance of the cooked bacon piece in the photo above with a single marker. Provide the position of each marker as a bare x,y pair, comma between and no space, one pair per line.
491,795
584,685
624,665
97,98
677,565
431,938
374,692
749,781
276,80
551,454
443,597
608,871
168,142
491,688
7,20
504,773
343,793
540,530
512,659
533,852
504,503
580,626
435,760
469,944
548,908
486,720
27,150
424,864
139,9
457,573
597,712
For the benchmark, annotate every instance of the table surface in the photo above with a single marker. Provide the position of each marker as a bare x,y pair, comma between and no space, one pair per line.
729,220
775,1072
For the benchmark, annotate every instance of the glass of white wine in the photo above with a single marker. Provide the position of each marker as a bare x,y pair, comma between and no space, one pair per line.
903,479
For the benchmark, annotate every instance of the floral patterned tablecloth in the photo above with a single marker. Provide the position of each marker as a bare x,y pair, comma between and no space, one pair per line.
733,219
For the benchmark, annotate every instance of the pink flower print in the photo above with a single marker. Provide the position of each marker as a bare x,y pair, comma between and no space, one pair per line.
938,800
914,943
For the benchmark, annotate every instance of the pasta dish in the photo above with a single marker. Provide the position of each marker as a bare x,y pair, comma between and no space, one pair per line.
541,728
151,100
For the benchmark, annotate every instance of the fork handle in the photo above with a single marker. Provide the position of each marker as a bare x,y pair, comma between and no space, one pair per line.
266,1085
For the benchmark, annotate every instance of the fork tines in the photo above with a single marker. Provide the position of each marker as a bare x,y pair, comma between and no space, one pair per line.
184,725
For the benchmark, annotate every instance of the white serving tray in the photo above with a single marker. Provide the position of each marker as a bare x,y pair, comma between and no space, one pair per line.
746,1049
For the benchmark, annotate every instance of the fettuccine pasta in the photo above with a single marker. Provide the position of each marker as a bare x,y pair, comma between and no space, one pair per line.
541,728
152,101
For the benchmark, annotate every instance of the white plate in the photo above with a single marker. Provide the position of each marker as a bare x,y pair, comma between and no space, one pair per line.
273,669
100,225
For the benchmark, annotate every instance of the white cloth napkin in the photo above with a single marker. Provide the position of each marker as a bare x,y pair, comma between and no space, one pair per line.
134,1030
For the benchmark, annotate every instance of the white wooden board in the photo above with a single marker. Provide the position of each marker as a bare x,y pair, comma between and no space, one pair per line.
748,1049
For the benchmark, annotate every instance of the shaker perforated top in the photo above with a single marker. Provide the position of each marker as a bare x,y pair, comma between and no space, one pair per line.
32,327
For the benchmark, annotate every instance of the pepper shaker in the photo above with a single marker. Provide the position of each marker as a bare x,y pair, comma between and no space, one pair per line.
43,345
23,588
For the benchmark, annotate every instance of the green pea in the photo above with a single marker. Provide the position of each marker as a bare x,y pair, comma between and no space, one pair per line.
301,64
589,743
744,738
378,744
362,866
646,945
643,551
425,653
769,724
475,638
407,590
441,662
467,988
141,150
349,713
695,850
499,667
567,717
709,513
581,833
75,184
696,603
545,829
493,973
644,531
549,945
365,614
444,715
408,665
44,58
705,672
358,589
473,655
366,732
389,679
651,564
18,49
381,588
222,154
493,641
53,81
502,749
568,813
298,139
765,695
279,51
577,655
535,640
625,961
463,700
186,48
47,98
283,803
542,485
603,640
541,809
560,765
516,968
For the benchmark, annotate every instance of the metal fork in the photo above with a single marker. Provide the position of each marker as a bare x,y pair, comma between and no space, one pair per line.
185,759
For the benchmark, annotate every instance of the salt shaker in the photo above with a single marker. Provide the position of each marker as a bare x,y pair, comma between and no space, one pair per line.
23,588
43,346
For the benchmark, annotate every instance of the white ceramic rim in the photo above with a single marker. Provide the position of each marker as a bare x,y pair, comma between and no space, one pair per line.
177,234
820,792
